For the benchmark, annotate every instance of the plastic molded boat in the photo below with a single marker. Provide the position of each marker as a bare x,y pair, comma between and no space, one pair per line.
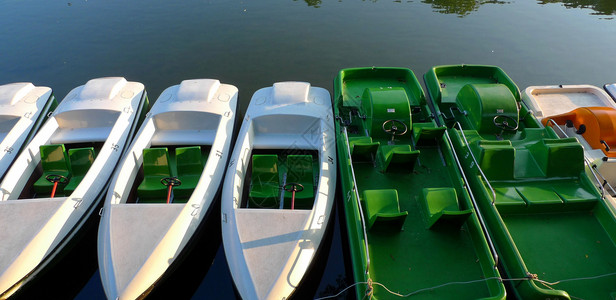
165,187
411,223
23,108
279,189
58,180
554,235
587,113
611,89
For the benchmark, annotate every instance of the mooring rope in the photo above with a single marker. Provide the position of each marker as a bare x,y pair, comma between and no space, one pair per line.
530,276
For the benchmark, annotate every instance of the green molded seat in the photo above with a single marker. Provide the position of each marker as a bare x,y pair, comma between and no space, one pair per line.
363,148
397,158
265,186
497,159
441,206
426,132
54,161
190,167
81,160
383,210
508,200
299,170
155,167
559,157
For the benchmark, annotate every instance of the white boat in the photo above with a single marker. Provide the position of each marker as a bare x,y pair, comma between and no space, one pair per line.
23,108
611,89
145,224
81,142
270,235
587,113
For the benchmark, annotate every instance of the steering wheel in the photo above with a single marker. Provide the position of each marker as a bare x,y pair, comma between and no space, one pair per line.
393,129
293,187
507,122
171,181
53,178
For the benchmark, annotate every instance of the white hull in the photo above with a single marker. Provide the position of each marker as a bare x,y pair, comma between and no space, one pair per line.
138,242
23,107
269,250
35,230
548,101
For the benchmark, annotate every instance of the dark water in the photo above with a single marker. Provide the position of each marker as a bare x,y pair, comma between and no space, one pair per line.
253,44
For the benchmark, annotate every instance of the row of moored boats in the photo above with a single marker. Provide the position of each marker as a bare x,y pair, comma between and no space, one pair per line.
455,195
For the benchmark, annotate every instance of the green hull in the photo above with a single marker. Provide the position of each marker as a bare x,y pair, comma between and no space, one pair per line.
544,214
404,254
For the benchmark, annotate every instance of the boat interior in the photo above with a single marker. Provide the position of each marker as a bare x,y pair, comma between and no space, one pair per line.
555,220
281,179
415,208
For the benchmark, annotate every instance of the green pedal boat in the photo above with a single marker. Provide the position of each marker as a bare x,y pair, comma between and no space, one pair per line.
412,227
554,234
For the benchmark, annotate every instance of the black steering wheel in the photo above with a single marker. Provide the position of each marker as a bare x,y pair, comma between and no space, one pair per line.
171,181
53,178
506,123
393,129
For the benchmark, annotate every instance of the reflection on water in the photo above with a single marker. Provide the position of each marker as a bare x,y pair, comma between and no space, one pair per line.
459,7
601,7
463,8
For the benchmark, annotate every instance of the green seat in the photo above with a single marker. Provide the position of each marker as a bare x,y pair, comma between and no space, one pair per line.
559,157
397,158
155,167
299,170
81,160
265,186
362,148
383,210
427,132
54,161
441,207
497,159
190,167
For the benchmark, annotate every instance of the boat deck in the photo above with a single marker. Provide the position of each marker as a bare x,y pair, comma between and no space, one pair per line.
559,247
416,257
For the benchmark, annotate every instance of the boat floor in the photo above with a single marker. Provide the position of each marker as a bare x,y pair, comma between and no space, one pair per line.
416,257
563,246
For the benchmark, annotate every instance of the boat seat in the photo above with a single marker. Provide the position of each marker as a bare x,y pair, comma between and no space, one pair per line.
574,196
539,198
559,157
155,167
508,200
189,166
265,186
397,158
427,132
496,159
54,161
383,210
299,170
81,160
363,148
441,207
